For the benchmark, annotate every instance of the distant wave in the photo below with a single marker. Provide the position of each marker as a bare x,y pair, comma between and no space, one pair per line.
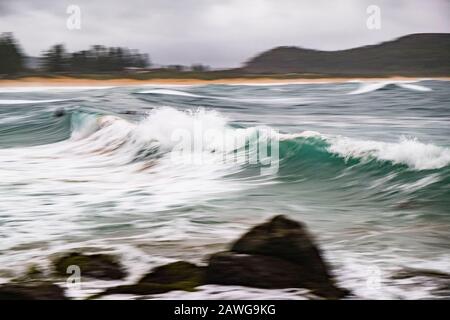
153,136
12,102
366,87
53,89
170,92
114,133
415,87
274,100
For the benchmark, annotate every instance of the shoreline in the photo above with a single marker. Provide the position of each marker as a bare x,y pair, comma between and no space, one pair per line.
65,81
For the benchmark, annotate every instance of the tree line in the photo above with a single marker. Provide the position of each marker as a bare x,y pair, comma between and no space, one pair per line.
97,59
57,59
11,57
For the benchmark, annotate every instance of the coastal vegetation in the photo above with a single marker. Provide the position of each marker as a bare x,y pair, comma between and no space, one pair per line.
11,57
416,55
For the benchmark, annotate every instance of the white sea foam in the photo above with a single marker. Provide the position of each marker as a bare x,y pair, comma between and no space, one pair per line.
366,87
170,92
272,100
303,134
51,89
414,87
408,151
207,131
110,154
87,190
162,126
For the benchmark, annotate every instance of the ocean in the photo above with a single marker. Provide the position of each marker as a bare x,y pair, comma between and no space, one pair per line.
365,165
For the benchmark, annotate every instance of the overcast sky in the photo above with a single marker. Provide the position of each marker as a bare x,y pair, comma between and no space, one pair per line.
221,33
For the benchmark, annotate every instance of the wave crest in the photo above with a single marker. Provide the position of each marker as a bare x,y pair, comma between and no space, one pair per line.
408,151
366,87
163,127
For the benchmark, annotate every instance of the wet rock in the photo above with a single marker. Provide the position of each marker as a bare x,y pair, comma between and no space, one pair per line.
277,254
60,112
99,266
285,239
406,273
33,290
133,112
183,272
179,275
229,268
252,270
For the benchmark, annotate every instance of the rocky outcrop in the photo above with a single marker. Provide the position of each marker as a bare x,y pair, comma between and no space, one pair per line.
252,271
277,254
33,290
178,275
99,266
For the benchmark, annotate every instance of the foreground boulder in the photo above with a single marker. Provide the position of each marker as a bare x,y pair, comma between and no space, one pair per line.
33,290
277,254
178,275
252,271
99,266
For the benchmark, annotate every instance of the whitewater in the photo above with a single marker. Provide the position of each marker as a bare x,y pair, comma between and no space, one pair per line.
365,165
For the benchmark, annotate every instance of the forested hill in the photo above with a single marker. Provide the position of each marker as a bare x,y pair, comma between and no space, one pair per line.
426,54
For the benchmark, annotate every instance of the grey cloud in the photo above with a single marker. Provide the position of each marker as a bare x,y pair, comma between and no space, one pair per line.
221,33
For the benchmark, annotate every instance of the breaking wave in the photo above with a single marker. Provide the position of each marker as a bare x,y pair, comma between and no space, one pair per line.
160,128
12,102
366,87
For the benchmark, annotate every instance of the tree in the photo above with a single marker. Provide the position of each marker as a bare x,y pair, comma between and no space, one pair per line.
11,57
199,68
102,59
56,59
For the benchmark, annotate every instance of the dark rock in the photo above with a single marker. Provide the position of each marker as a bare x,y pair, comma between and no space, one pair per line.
277,254
60,112
285,239
33,290
99,266
129,112
252,270
183,272
179,275
413,272
229,268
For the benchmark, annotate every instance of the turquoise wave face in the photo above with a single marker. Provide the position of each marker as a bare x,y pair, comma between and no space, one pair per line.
311,161
367,166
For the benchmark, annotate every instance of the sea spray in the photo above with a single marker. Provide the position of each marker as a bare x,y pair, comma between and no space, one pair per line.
102,177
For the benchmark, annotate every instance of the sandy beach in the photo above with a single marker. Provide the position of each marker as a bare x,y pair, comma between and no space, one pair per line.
65,81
